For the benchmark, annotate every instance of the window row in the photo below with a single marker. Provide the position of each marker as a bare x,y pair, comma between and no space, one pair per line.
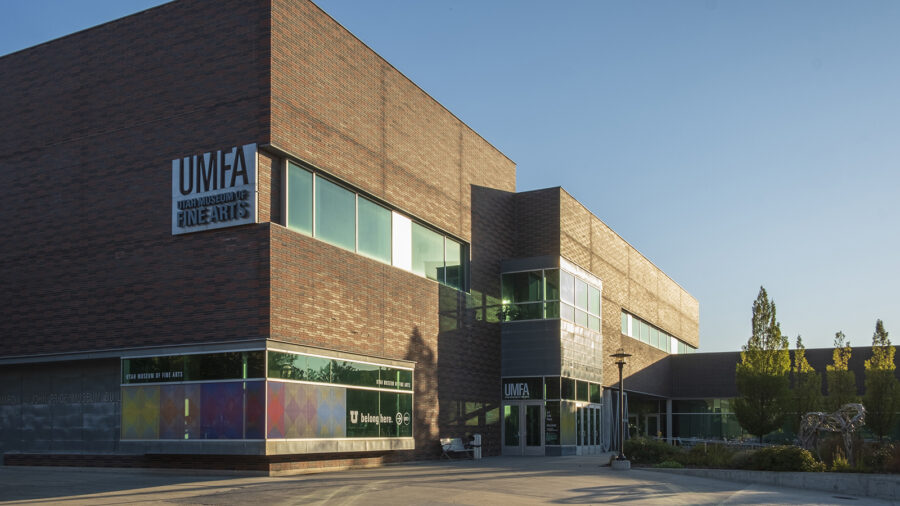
251,364
329,212
632,326
548,294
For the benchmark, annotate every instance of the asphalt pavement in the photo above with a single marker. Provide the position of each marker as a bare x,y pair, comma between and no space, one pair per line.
494,480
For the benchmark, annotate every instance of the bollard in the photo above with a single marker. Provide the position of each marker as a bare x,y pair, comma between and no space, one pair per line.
476,442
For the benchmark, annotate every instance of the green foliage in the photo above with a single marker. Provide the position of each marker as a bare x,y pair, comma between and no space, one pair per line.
841,464
806,395
882,351
783,458
762,375
882,399
669,464
709,455
878,457
644,450
841,380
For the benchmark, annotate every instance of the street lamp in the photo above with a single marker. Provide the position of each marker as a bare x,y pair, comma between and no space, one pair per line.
620,357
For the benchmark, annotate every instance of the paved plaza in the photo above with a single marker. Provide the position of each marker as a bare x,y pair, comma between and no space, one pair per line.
496,480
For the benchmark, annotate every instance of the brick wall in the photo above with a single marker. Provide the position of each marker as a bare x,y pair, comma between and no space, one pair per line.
89,261
630,282
339,106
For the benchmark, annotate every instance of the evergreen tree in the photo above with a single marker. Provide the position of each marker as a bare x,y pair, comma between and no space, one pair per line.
841,380
806,395
882,398
762,375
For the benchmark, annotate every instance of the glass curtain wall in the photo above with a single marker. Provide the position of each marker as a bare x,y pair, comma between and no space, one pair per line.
549,294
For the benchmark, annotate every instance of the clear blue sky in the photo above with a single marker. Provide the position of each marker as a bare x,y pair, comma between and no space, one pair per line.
735,144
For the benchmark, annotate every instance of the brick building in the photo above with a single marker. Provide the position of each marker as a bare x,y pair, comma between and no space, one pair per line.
239,238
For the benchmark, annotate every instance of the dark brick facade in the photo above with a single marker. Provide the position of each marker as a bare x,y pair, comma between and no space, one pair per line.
90,265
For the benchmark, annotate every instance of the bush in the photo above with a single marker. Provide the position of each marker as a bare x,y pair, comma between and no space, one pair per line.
669,464
877,457
784,458
711,455
643,450
841,464
742,460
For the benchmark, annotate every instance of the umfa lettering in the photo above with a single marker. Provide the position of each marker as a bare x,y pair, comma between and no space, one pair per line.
517,390
212,171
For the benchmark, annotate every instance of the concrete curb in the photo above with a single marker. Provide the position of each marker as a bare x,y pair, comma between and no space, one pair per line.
879,486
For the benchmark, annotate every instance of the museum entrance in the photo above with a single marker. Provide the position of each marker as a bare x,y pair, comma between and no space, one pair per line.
523,428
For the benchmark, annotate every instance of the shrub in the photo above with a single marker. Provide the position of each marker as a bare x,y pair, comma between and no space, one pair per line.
877,457
742,460
643,450
785,458
669,464
707,455
841,464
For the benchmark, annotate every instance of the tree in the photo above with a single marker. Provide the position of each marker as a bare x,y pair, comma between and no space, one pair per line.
762,375
882,398
806,395
841,380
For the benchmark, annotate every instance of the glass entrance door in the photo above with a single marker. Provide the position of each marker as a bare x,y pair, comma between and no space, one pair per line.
587,429
523,428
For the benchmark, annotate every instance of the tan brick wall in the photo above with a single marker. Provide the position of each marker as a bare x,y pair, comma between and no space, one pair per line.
630,282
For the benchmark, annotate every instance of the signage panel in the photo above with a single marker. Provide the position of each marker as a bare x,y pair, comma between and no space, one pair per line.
523,388
213,190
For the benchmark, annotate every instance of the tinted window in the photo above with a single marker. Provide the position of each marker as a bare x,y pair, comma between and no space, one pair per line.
299,199
522,286
335,215
374,231
453,269
427,253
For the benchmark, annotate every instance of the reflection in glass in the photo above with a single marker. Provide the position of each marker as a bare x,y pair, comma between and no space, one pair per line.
581,294
335,214
453,274
299,199
533,425
551,282
374,234
511,425
522,286
566,287
427,253
593,300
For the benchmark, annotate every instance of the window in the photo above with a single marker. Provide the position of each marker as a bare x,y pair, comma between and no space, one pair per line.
299,197
335,215
453,264
374,234
332,213
427,253
651,335
522,286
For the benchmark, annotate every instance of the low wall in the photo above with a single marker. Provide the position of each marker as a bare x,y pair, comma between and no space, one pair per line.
880,486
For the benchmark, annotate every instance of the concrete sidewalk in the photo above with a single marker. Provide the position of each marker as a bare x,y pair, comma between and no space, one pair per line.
498,480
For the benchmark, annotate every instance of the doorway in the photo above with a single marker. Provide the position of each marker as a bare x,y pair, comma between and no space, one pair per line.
523,428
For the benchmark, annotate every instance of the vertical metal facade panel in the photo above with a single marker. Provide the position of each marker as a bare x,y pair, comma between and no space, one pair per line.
60,407
531,348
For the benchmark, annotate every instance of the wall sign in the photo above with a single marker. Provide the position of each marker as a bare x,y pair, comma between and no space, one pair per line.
214,190
523,388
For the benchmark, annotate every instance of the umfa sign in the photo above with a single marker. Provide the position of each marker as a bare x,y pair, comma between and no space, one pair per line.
214,190
523,388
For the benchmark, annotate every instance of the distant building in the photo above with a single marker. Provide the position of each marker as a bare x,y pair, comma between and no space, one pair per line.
238,238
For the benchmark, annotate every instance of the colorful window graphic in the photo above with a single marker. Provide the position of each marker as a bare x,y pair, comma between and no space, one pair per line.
222,410
214,396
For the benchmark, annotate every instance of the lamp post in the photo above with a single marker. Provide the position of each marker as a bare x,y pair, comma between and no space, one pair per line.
620,357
